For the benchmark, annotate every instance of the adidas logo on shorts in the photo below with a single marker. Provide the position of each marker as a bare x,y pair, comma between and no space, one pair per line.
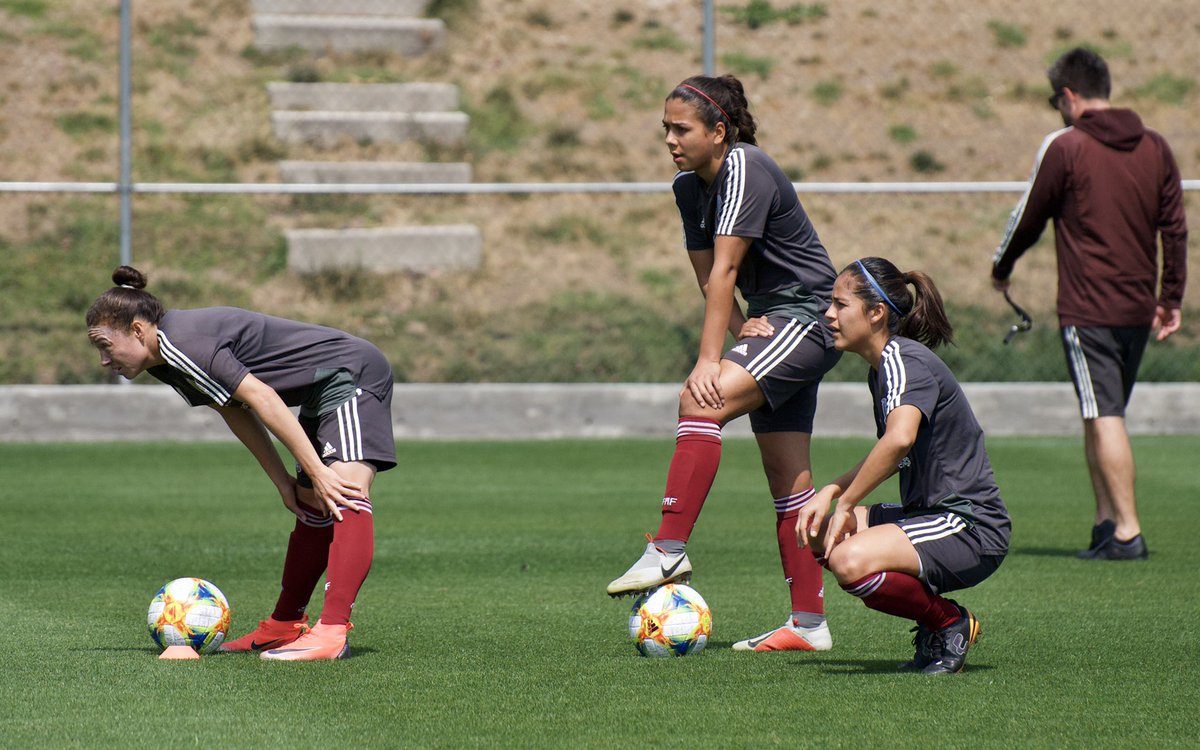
740,349
329,451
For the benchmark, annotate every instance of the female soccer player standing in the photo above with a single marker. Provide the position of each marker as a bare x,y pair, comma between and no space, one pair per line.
249,368
952,530
744,226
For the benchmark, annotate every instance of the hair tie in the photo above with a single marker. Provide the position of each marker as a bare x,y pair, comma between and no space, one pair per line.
128,286
706,96
875,285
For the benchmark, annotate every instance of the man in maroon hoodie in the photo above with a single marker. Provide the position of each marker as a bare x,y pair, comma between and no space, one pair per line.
1111,186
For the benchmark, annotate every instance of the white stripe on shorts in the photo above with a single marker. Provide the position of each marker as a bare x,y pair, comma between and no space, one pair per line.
1083,376
939,527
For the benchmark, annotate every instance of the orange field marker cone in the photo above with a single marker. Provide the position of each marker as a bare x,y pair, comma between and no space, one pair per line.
179,652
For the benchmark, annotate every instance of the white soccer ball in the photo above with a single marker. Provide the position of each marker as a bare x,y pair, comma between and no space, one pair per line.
671,620
189,612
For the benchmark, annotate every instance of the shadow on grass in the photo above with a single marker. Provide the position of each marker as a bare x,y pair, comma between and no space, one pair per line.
877,666
1044,552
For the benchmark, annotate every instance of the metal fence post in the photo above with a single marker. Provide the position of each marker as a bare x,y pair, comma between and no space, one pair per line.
710,34
125,185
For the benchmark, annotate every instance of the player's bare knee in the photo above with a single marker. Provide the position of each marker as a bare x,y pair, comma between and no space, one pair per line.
849,564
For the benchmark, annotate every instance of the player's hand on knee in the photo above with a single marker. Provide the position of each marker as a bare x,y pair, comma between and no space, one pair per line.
332,489
289,493
841,526
808,523
705,385
756,328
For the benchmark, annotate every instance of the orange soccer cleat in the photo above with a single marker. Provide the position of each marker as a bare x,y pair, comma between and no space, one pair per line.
321,643
789,638
270,633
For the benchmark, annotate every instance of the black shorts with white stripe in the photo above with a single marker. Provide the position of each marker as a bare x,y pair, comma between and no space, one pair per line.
949,547
358,430
1103,362
788,367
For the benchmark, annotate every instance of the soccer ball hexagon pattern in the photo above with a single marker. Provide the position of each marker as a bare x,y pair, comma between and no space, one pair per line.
189,612
671,620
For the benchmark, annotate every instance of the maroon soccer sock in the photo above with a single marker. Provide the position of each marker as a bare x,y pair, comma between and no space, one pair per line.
799,568
349,562
904,596
690,477
308,549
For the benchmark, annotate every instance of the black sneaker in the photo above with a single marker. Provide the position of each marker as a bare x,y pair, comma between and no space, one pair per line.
948,646
1101,533
921,658
1115,549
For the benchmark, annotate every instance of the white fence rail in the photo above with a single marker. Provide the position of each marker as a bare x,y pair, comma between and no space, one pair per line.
500,188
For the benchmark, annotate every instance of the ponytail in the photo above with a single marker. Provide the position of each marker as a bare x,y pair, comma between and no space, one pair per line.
721,99
920,316
125,302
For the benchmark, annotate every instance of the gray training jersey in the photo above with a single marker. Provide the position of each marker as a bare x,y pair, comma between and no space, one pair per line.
210,351
947,467
787,270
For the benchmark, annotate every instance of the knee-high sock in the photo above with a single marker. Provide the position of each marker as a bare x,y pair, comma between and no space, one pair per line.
349,562
307,552
904,596
803,575
690,477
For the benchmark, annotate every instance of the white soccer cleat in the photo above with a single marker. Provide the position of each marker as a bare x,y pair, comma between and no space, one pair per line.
653,568
789,638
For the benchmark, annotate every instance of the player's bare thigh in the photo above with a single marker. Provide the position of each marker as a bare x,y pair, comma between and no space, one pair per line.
738,387
359,472
870,550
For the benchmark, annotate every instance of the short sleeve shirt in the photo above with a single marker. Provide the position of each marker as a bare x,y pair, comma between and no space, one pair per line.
947,467
209,352
751,197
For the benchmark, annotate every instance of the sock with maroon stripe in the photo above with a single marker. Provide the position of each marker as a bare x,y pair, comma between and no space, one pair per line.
349,562
690,476
308,549
799,568
904,596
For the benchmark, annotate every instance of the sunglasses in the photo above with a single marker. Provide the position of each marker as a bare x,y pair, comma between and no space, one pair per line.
1022,325
1055,99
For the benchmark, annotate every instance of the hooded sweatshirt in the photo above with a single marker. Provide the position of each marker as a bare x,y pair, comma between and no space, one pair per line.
1111,185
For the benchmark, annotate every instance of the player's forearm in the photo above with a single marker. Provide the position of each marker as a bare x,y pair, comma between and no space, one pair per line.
879,464
282,423
250,431
719,307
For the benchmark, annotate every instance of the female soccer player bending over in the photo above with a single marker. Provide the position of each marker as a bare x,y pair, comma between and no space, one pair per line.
249,368
744,227
952,530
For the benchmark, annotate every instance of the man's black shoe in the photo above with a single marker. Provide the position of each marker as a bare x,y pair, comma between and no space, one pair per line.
921,658
1115,549
948,646
1101,533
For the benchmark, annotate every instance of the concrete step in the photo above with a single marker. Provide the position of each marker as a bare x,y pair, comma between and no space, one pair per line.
420,249
404,36
344,172
363,97
327,128
401,8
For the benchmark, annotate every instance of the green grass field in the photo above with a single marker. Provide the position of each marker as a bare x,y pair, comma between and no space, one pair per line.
484,621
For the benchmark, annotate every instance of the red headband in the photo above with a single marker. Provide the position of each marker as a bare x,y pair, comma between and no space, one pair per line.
706,96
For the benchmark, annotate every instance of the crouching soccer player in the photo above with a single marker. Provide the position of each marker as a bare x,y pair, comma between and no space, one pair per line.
952,529
249,368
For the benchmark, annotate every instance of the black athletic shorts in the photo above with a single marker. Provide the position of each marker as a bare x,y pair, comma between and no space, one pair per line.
1104,363
949,547
358,430
788,368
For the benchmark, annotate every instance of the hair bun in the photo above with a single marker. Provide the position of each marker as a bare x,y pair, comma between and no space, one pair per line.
130,277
